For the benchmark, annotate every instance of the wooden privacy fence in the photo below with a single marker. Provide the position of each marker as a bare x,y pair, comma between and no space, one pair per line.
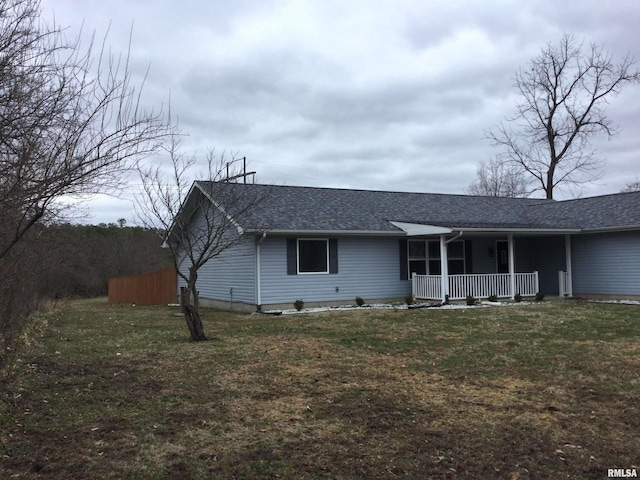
155,288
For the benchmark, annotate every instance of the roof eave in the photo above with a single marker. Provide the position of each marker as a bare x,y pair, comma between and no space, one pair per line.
617,228
387,233
363,233
529,231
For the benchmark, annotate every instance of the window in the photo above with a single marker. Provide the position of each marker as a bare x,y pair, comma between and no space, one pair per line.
435,266
313,255
424,257
417,257
456,259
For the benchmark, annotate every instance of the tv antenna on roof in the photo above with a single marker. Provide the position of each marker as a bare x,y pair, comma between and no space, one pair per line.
244,173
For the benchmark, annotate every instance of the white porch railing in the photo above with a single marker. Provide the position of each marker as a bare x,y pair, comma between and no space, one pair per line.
566,287
429,287
426,287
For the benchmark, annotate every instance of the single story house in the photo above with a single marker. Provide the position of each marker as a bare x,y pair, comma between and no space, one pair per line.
328,246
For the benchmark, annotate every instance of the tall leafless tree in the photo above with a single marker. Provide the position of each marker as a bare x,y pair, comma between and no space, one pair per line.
70,118
71,122
496,179
197,219
564,92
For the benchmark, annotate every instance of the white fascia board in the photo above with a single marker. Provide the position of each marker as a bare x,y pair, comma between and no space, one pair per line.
219,207
528,231
416,229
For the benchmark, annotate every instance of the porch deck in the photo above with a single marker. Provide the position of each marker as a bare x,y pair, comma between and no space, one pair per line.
429,287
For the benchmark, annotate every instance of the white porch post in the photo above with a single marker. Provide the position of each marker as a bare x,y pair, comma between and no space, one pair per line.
444,268
567,254
512,267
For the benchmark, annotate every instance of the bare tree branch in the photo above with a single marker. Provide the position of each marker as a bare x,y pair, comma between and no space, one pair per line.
67,125
633,186
496,179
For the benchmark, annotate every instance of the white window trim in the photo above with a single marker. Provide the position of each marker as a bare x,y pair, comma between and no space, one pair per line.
326,240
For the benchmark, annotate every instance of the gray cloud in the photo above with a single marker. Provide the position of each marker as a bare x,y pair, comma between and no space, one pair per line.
394,95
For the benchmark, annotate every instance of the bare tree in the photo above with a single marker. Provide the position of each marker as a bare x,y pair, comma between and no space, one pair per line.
197,219
633,186
70,118
496,179
71,122
564,92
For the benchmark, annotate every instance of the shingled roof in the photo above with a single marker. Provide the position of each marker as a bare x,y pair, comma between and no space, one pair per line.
311,209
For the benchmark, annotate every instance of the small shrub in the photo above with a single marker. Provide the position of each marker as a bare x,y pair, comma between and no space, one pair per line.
359,301
471,300
539,296
517,297
298,304
409,300
493,297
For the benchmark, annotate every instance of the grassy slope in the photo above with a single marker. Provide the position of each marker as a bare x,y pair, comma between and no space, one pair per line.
541,391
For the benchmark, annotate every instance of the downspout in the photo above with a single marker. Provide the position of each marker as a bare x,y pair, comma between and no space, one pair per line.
444,270
454,238
258,273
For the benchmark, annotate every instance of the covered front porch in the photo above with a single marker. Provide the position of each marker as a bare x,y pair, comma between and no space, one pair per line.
457,264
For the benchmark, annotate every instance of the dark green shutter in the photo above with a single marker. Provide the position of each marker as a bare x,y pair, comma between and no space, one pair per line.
333,255
468,257
404,260
292,256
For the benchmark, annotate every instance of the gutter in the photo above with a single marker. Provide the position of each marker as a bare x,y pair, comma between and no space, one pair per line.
367,233
538,231
625,228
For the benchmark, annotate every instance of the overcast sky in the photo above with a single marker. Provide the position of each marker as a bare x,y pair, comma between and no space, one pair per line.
389,95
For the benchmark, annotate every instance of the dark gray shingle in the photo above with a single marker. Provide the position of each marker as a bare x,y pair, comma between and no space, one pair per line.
314,209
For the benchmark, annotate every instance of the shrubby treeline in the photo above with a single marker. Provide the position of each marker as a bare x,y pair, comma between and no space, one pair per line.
81,258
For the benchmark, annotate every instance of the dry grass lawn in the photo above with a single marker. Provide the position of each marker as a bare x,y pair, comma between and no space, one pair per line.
548,390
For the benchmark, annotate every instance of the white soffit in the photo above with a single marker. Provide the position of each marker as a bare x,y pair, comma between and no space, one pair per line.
416,229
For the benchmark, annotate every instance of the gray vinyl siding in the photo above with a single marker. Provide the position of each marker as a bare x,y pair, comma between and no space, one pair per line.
368,267
606,264
231,275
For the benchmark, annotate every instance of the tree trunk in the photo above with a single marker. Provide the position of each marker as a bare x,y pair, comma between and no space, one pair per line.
194,323
191,315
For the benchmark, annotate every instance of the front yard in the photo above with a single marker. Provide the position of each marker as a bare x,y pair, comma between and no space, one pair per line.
548,390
